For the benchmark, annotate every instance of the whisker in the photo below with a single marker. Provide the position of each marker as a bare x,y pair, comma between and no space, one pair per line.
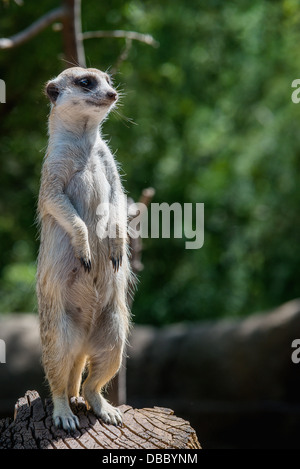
123,118
75,64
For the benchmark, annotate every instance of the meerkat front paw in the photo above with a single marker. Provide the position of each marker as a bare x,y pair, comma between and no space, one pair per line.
116,261
116,252
83,253
84,256
86,262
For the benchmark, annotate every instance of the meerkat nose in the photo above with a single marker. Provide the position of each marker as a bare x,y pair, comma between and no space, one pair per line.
112,95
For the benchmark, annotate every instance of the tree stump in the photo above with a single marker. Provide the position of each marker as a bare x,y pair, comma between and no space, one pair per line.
149,428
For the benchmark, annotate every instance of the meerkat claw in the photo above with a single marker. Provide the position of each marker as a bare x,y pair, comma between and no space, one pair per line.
86,264
116,263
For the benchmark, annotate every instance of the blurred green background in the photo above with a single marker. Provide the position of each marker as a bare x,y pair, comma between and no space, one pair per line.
215,124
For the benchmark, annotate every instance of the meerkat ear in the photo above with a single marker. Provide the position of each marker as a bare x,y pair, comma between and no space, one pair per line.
52,91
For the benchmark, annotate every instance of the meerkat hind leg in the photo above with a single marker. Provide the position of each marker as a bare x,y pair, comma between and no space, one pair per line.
100,373
76,376
58,365
106,351
63,416
103,409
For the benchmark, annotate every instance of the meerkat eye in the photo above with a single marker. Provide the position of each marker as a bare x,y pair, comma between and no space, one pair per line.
86,83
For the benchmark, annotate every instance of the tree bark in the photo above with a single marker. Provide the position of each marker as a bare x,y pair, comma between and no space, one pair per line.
72,34
149,428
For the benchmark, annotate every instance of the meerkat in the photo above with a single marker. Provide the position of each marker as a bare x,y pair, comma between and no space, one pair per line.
82,276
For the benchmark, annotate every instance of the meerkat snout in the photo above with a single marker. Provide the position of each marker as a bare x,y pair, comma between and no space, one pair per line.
112,95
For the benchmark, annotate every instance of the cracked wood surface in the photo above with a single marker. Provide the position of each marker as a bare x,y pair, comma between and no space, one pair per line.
149,428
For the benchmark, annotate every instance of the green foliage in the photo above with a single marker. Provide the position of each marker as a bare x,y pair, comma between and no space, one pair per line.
215,124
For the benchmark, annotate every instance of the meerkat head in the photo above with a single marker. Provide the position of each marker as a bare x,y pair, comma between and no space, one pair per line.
81,92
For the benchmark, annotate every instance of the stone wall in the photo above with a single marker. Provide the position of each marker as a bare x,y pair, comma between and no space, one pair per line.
233,379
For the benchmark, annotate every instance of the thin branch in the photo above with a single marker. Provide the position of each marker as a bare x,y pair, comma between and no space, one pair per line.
33,29
123,56
146,38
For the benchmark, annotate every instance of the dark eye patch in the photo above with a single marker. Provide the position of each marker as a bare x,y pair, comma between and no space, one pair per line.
86,83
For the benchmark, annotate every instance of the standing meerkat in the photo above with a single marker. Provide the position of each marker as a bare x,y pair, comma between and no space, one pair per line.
82,275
